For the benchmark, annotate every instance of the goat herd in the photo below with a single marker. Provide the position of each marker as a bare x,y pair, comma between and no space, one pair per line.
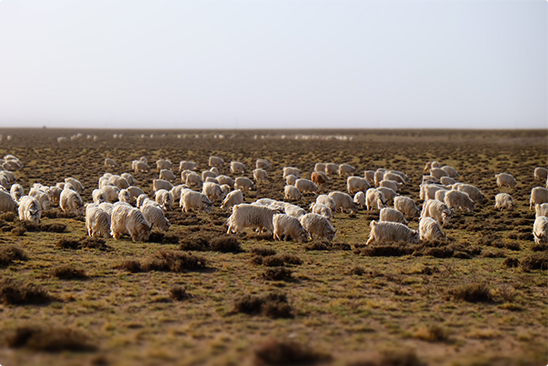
120,207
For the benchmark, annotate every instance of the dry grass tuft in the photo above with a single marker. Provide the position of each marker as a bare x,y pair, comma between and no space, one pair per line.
507,293
130,265
8,216
53,228
437,249
16,293
49,339
162,238
165,261
274,352
493,254
443,252
512,245
273,261
535,261
541,247
472,292
278,274
179,293
396,357
326,245
281,260
198,241
18,231
491,240
174,261
68,244
94,243
263,252
387,250
510,262
272,305
357,270
319,245
10,253
86,242
205,241
226,244
257,259
66,215
432,333
68,272
50,214
29,226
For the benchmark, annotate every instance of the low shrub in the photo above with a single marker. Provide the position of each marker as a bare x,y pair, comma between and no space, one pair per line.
86,242
510,262
49,339
395,357
225,244
94,243
16,293
165,261
278,274
53,228
263,252
472,292
272,305
432,333
539,247
10,253
275,352
68,244
179,293
68,272
535,261
162,238
281,260
8,216
130,265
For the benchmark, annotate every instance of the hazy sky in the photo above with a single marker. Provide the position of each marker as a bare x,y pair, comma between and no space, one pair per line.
274,64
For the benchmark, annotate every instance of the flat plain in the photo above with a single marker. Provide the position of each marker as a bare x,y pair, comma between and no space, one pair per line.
478,299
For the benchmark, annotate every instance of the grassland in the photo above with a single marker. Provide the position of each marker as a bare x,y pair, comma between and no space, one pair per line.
480,299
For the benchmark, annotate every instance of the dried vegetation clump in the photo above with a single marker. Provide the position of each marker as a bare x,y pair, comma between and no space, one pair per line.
53,227
68,272
437,249
8,216
432,333
205,241
275,352
272,305
277,260
86,242
535,261
262,252
278,274
326,245
10,253
357,271
471,292
394,357
540,247
162,238
16,293
49,339
165,261
179,293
